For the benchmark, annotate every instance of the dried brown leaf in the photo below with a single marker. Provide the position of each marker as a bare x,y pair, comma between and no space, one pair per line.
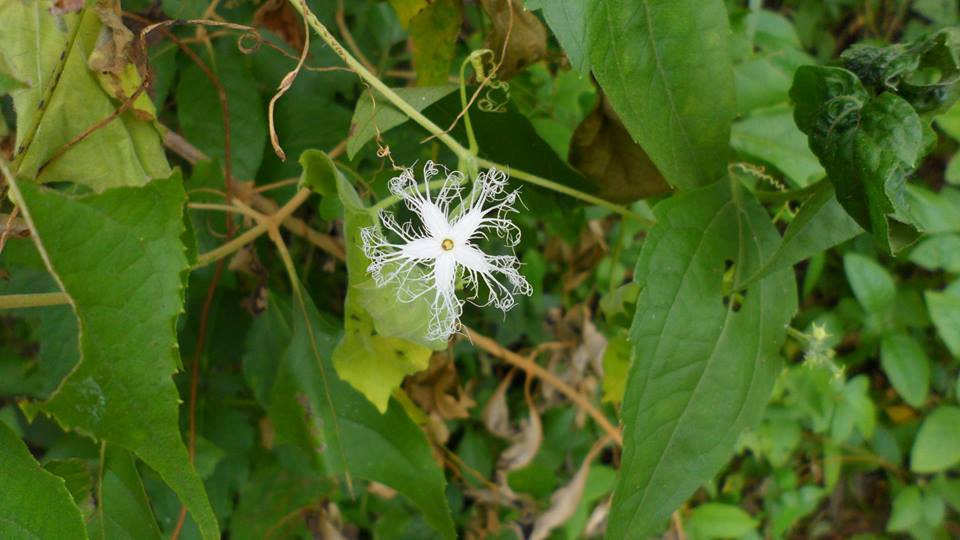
564,501
526,442
496,413
437,389
524,34
607,155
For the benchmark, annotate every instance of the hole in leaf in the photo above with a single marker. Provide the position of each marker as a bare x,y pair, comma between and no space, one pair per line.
732,299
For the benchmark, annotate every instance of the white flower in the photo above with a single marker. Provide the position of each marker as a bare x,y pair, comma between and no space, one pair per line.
429,259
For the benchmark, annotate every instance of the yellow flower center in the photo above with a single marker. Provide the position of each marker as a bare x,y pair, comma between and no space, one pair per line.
447,244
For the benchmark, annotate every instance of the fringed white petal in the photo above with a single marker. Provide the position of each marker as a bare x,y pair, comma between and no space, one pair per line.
431,257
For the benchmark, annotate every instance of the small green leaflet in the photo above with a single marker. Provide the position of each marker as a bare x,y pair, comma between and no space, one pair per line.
705,357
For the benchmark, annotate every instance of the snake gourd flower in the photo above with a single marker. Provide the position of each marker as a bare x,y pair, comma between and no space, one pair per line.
432,256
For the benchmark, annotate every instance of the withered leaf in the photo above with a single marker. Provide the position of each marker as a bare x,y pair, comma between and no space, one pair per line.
615,164
524,33
112,59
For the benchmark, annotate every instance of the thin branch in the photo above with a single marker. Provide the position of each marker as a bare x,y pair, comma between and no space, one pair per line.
532,368
254,233
16,301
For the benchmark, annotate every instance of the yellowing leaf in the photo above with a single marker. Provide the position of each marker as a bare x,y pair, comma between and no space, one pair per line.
376,365
124,152
434,33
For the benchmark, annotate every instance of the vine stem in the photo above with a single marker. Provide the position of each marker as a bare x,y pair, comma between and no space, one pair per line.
255,232
15,301
566,190
376,83
461,152
533,368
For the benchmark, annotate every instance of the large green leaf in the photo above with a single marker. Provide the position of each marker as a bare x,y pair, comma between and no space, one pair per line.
119,257
666,69
868,145
312,407
124,511
127,151
705,357
199,113
33,502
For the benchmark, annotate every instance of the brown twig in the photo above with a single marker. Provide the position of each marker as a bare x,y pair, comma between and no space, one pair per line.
12,225
532,368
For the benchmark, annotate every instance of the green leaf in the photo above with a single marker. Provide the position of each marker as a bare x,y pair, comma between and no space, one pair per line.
124,511
937,446
270,495
940,252
433,33
705,359
77,478
200,116
319,172
616,366
854,410
718,520
369,117
384,338
820,224
666,69
772,136
54,328
126,151
33,502
122,391
907,366
311,406
924,72
907,510
391,317
944,310
568,21
936,212
871,283
868,146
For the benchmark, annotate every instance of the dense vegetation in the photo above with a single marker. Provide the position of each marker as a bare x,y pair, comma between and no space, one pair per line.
410,269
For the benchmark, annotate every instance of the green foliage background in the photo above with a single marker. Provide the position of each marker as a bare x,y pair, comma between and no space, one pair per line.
741,221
